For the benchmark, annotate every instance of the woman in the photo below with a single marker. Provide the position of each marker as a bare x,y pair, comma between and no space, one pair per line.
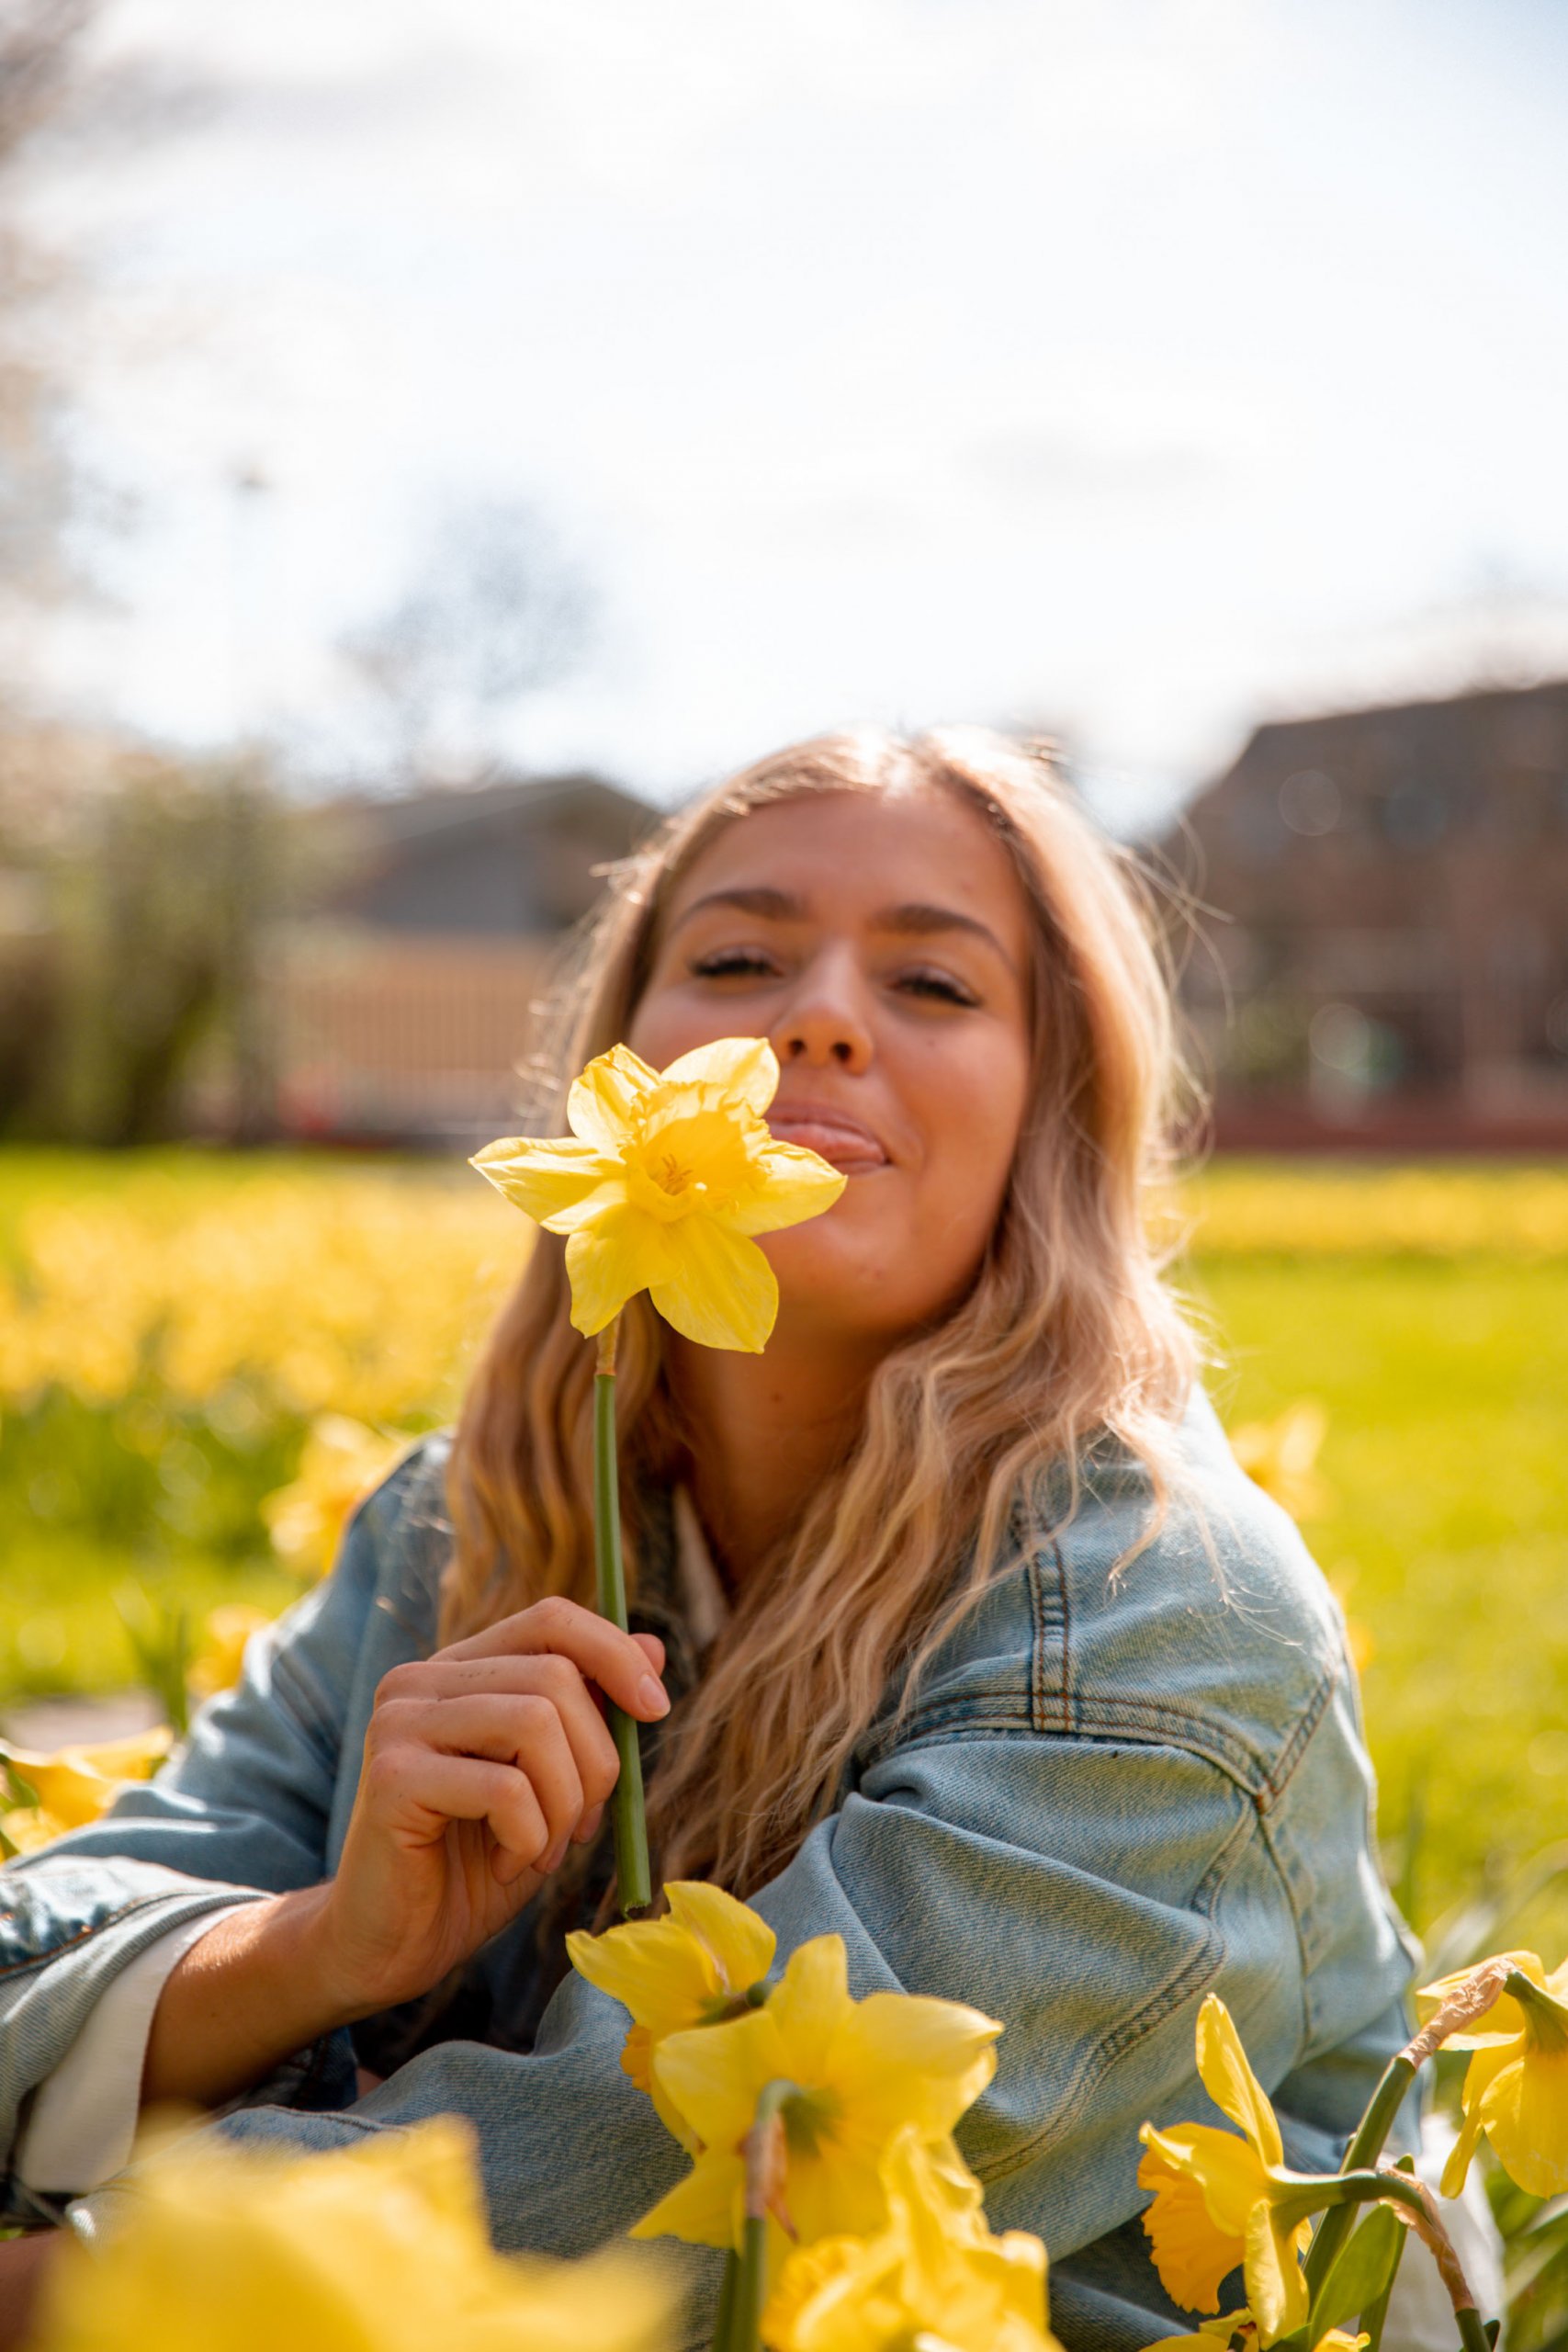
973,1643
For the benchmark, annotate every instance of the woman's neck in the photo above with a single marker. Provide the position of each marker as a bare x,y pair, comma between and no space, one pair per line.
766,1431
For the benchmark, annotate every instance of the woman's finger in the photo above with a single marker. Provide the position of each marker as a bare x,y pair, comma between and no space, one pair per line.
617,1662
418,1790
525,1732
442,1679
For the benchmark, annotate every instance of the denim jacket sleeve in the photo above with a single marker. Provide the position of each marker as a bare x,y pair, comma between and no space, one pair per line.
1112,1794
244,1809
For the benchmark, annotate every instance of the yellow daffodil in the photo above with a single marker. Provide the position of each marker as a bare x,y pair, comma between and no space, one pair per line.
1216,2198
340,1463
933,2273
1515,2087
75,1785
1281,1457
380,2247
216,1664
860,2071
695,1967
1216,2332
665,1177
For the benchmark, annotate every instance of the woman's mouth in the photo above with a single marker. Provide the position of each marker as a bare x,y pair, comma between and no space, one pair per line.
844,1143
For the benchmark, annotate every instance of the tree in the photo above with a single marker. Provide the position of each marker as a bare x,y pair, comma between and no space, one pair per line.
496,612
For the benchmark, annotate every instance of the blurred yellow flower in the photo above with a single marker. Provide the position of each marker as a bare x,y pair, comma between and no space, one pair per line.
693,1968
1215,2196
380,2247
861,2070
1216,2332
216,1664
340,1462
934,2272
665,1177
75,1785
1281,1457
1515,2087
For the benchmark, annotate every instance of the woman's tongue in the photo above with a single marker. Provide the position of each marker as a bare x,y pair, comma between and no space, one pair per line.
843,1143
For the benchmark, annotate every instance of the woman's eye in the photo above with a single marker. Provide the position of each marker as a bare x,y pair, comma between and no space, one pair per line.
939,985
732,963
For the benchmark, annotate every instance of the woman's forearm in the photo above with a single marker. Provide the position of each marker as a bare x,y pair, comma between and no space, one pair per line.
249,1994
24,2265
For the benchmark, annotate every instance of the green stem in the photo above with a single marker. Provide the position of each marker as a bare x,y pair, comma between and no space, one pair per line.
633,1885
1363,2152
724,2318
751,2292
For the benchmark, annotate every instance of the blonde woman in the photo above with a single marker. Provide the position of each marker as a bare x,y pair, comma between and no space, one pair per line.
958,1631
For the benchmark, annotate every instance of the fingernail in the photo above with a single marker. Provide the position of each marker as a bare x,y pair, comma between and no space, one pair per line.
651,1697
556,1855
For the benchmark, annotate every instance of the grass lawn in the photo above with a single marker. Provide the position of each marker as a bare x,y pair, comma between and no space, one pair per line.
170,1324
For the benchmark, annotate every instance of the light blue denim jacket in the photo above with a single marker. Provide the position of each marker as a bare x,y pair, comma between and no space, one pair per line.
1112,1795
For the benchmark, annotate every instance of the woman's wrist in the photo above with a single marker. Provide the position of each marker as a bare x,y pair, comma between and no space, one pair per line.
262,1986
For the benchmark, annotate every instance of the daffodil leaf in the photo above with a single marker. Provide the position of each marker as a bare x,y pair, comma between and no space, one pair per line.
1363,2269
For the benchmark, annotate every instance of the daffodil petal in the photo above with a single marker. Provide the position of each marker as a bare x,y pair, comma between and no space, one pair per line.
812,1997
712,2074
705,2209
604,1101
609,1261
543,1179
1226,2168
1231,2083
718,1289
746,1068
904,2057
1276,2284
654,1967
1524,2112
796,1184
834,2191
742,1943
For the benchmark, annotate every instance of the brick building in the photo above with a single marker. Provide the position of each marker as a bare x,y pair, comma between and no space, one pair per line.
1387,953
401,1007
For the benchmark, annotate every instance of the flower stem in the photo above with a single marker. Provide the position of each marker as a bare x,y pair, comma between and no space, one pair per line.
1363,2152
633,1885
723,2319
1471,1999
764,2195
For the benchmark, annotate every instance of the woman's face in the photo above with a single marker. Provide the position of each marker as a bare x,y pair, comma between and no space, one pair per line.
883,947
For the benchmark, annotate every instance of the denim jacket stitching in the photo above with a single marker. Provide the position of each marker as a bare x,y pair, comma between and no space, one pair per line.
1186,1984
1296,1746
1183,1984
100,1927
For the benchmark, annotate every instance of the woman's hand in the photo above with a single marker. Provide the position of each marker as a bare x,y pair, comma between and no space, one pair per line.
482,1766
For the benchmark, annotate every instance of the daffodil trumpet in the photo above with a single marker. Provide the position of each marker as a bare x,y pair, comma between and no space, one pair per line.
634,1883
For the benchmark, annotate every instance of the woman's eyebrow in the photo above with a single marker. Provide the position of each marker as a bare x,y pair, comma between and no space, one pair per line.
917,921
777,906
914,920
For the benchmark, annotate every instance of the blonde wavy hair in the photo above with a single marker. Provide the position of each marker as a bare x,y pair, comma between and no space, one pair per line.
1067,1337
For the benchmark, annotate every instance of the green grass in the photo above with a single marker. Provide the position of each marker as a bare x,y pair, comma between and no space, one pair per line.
1446,1459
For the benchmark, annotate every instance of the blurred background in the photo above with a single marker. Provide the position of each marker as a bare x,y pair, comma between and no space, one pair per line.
434,440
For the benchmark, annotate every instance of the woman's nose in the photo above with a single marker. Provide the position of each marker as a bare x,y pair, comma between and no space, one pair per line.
824,1024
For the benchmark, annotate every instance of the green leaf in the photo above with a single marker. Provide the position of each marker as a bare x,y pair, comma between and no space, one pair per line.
1362,2271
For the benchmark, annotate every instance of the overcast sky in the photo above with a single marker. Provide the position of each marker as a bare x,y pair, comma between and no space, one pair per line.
1137,367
